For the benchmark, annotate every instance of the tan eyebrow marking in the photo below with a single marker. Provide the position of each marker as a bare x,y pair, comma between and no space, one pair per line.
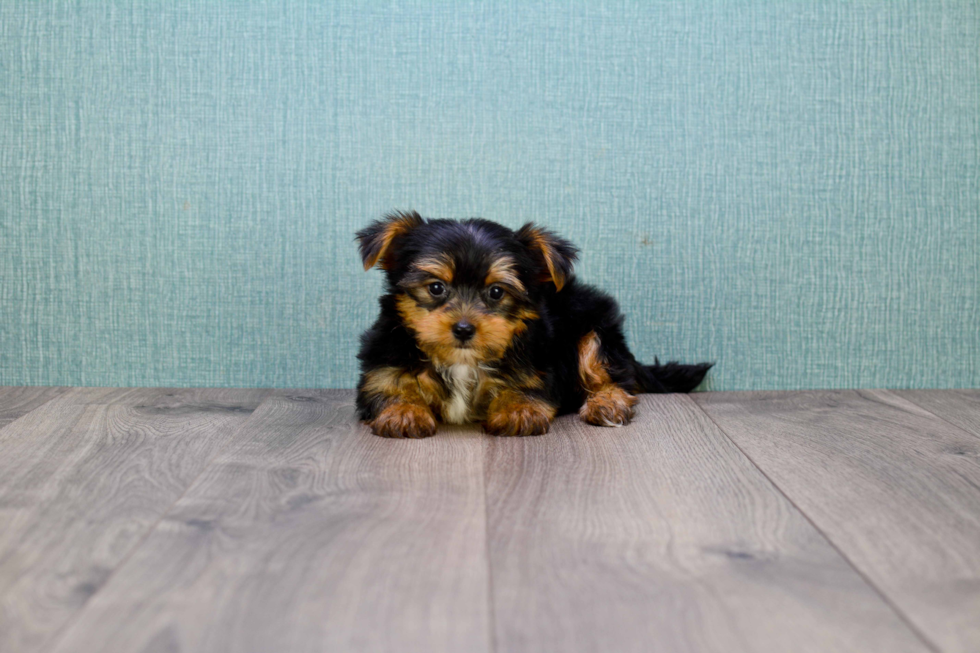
442,268
503,271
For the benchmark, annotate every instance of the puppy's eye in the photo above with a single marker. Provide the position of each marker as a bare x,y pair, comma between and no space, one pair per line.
436,289
495,292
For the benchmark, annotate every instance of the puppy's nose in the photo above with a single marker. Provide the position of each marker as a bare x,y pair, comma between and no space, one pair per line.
463,330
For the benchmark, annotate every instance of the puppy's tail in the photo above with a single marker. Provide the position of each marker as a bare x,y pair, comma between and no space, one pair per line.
672,377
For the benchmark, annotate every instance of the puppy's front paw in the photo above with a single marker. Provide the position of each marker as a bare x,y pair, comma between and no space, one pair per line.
512,415
404,420
608,406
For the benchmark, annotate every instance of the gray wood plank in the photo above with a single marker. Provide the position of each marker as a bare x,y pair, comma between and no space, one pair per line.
83,479
20,400
959,407
896,489
662,536
310,535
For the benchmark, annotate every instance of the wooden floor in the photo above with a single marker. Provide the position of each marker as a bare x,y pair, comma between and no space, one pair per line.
271,521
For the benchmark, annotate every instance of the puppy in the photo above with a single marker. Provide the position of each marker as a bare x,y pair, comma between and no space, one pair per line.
480,323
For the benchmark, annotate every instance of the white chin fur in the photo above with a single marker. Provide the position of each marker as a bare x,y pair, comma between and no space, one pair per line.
461,379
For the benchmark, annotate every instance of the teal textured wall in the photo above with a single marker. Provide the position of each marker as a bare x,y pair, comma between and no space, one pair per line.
790,189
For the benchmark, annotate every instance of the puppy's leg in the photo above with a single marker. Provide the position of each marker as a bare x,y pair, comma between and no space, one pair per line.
606,403
397,404
513,412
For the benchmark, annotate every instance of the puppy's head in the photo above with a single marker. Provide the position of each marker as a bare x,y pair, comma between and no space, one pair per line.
466,288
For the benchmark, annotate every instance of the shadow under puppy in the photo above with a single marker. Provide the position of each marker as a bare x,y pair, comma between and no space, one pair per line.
480,323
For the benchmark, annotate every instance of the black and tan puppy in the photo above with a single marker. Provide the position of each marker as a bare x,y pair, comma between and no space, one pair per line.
480,323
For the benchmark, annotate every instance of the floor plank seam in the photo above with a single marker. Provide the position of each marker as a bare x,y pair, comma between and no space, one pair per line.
935,414
491,598
900,613
55,640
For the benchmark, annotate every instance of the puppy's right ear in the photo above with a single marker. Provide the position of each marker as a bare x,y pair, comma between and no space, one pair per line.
375,240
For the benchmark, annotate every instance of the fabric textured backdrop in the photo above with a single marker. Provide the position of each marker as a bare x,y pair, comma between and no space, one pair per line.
790,189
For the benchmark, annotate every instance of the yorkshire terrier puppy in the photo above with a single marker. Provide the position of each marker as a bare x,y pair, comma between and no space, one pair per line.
480,323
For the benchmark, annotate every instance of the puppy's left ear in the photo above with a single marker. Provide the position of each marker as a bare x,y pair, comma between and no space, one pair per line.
375,240
558,253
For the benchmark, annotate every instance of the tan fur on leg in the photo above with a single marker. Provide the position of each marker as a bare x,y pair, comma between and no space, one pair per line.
407,412
514,413
401,419
607,404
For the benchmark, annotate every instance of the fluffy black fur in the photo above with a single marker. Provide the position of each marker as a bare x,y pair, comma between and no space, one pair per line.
548,345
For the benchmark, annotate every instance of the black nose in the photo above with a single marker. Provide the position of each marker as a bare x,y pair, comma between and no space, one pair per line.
463,330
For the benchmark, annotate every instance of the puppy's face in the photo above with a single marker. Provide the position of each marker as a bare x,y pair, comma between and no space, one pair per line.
465,289
465,304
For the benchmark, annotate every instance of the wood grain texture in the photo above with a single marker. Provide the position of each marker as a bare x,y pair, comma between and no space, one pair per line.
83,479
958,407
19,400
662,536
310,535
896,489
